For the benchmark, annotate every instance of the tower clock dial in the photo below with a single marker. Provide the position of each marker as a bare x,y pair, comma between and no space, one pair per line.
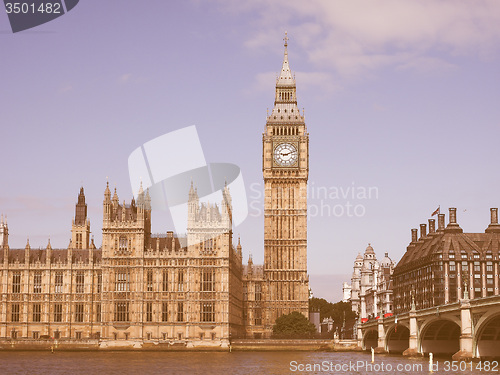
285,154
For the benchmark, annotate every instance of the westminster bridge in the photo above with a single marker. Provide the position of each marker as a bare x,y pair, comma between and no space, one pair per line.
469,328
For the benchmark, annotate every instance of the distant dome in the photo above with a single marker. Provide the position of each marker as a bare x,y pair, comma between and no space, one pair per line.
369,249
386,261
359,257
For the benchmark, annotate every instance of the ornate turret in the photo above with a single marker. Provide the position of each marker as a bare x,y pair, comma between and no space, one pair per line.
238,248
80,229
81,209
4,232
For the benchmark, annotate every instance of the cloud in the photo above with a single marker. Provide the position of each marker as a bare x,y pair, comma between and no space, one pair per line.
357,37
65,88
125,78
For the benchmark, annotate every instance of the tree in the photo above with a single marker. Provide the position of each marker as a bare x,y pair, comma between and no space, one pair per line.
293,325
340,312
336,311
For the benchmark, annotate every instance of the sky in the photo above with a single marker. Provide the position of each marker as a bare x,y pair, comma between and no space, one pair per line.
401,102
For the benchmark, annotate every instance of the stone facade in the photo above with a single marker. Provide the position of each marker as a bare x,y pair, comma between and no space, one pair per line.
137,287
371,285
445,265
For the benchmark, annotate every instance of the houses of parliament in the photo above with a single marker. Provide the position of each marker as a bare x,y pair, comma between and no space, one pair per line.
193,289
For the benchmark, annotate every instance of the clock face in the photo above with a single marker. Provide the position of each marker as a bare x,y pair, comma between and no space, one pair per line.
285,154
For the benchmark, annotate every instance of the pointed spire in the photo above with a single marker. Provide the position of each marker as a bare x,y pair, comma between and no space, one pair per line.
49,246
28,247
285,78
192,192
115,196
107,192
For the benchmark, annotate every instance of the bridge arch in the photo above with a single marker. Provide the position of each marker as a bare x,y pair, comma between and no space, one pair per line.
440,336
397,338
370,339
487,336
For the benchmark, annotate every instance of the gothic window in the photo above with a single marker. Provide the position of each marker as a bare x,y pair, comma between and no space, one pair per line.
122,281
258,317
58,287
121,312
15,312
258,291
452,266
165,280
80,282
37,312
209,245
16,282
164,312
207,312
98,312
37,282
208,280
180,311
180,281
99,282
123,243
58,313
79,312
489,266
149,280
149,311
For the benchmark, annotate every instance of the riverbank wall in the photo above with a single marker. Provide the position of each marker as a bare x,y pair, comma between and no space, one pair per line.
208,345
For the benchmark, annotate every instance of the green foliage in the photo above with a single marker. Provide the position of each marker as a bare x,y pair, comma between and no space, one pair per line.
336,311
293,325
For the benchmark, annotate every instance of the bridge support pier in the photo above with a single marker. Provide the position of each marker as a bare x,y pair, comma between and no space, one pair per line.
465,351
360,334
381,337
412,350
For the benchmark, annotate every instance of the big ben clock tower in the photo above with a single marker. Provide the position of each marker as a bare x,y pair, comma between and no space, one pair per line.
285,166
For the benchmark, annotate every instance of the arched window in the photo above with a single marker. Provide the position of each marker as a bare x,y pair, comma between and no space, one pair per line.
123,243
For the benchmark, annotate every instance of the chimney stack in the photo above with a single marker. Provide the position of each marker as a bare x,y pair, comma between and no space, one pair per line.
440,223
423,230
432,226
494,227
453,215
453,226
414,235
494,215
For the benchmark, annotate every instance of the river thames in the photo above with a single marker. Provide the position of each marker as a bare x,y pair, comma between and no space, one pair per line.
255,363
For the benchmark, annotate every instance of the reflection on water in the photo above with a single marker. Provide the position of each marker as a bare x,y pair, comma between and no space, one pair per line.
254,363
